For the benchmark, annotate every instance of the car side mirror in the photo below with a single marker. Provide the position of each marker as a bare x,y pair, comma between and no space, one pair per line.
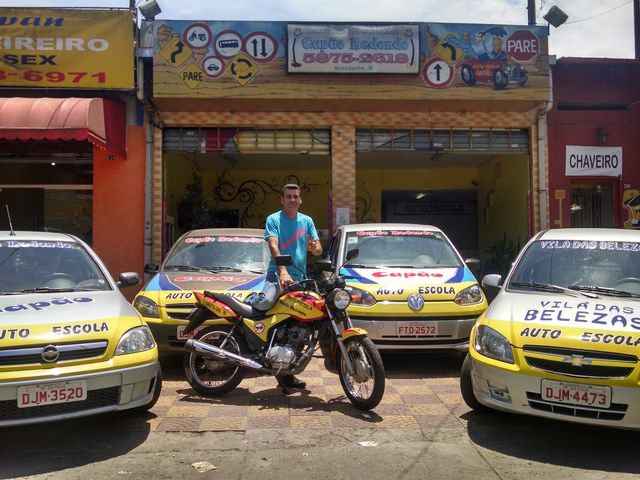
493,280
151,268
127,279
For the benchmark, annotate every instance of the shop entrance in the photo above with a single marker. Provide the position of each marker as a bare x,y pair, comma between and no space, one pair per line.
592,205
453,211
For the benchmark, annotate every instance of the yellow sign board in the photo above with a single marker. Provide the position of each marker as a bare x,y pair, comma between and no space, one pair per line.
243,68
68,48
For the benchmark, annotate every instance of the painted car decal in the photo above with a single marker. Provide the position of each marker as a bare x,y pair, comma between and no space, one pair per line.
42,304
407,276
163,281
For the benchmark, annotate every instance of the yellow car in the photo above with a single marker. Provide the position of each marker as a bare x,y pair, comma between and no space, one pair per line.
411,289
228,260
561,339
70,343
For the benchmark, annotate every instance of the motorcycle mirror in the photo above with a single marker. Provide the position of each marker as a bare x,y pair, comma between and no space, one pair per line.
284,260
324,265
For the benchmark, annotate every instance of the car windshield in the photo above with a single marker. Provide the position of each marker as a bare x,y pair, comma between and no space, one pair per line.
607,268
42,266
219,253
401,248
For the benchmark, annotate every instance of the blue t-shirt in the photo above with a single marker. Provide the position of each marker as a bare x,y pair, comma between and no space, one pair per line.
292,240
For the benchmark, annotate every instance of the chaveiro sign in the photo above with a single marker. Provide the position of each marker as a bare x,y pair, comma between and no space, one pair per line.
593,161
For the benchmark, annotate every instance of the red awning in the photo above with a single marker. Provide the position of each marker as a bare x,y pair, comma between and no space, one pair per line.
98,120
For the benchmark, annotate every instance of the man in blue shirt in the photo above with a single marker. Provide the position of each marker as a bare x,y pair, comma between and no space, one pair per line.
288,232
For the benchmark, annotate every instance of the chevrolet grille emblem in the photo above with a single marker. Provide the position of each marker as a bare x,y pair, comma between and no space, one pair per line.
576,360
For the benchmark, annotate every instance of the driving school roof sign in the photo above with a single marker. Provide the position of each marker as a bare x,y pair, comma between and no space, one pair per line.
68,48
353,48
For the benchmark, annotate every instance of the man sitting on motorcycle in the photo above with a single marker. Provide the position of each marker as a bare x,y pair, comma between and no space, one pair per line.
288,232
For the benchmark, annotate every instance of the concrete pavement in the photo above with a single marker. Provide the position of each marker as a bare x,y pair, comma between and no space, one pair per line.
422,429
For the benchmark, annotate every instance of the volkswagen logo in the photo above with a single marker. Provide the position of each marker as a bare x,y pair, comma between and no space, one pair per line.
50,353
415,302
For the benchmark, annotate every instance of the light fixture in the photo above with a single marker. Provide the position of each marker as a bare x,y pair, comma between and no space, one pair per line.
149,9
602,135
555,16
420,195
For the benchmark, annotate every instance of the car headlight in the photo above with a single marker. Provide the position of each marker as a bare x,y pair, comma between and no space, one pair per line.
339,298
469,296
360,297
146,307
491,344
136,340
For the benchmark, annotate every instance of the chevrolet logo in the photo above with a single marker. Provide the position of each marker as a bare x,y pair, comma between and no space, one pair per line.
576,360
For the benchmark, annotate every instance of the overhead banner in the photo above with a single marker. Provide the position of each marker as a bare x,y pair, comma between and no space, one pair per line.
66,48
593,161
353,48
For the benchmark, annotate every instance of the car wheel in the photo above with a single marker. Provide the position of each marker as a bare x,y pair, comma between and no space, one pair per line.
466,387
499,79
468,77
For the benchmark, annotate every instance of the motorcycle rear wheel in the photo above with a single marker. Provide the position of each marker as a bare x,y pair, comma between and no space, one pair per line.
214,377
366,387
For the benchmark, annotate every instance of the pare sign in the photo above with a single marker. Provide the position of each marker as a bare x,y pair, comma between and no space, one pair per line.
523,45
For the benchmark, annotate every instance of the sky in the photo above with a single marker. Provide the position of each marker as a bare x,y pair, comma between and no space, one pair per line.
595,28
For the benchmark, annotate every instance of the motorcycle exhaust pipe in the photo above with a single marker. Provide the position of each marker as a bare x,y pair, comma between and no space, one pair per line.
210,351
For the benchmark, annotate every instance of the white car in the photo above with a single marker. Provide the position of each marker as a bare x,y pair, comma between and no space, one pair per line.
561,339
70,343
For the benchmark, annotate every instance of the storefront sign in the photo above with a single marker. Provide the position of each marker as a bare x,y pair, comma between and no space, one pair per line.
593,161
64,48
353,48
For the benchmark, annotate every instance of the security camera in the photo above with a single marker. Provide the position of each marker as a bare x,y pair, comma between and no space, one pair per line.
149,9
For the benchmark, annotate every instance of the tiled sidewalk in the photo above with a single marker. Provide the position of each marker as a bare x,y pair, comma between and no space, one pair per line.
420,391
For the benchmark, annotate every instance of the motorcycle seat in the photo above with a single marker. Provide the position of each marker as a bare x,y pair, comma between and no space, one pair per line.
238,306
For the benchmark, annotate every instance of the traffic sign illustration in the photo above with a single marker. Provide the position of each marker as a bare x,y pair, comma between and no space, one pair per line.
261,46
228,43
523,45
437,73
197,35
175,51
213,66
243,68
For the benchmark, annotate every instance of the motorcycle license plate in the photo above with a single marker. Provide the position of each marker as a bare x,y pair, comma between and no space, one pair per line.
576,394
417,328
50,393
180,335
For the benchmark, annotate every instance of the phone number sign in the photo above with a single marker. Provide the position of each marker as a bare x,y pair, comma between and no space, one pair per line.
353,48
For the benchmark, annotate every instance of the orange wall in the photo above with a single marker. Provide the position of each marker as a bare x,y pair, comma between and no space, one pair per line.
118,208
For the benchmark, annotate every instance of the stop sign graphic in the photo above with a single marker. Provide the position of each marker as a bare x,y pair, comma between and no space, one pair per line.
523,45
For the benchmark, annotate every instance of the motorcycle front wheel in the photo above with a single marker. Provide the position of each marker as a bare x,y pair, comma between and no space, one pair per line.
366,386
210,376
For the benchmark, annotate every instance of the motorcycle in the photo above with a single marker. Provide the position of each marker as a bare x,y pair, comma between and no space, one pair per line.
282,340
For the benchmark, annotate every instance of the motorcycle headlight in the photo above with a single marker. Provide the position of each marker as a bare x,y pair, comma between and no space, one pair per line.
491,344
146,307
340,298
136,340
360,297
469,296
